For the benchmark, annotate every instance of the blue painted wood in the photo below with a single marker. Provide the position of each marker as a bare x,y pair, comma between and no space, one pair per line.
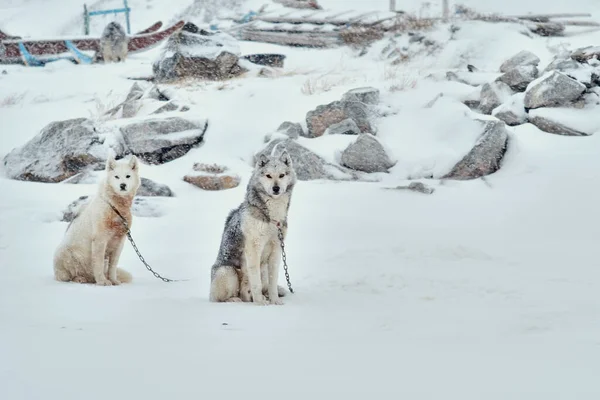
114,11
80,58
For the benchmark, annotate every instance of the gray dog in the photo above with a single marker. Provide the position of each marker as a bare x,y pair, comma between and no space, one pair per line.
247,266
113,43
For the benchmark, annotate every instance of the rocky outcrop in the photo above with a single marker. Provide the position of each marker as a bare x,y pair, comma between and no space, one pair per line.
345,127
366,154
521,59
553,89
513,111
198,54
160,140
61,150
519,77
492,95
485,157
212,177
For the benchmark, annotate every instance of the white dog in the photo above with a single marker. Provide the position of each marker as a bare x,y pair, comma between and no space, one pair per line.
90,250
247,266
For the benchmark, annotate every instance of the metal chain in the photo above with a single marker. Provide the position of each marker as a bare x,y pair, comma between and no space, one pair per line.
284,258
148,267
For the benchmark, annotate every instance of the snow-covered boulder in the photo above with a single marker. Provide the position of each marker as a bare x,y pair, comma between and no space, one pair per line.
322,117
203,54
212,177
553,89
492,95
345,127
366,95
522,58
291,129
513,111
566,121
160,140
366,154
485,157
62,149
519,78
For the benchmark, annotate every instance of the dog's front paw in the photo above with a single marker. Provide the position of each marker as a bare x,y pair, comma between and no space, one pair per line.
260,300
104,282
277,301
115,282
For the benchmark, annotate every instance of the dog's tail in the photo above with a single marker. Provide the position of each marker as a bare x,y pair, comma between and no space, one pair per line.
124,276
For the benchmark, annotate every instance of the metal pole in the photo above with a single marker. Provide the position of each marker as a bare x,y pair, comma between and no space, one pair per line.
445,10
127,17
86,20
393,5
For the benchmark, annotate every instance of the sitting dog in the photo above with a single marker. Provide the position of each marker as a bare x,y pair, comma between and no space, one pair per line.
247,265
113,43
90,250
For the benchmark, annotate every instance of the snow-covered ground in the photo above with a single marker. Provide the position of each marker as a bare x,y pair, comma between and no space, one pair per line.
482,290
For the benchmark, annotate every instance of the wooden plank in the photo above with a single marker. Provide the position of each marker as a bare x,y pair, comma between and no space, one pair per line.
305,40
545,17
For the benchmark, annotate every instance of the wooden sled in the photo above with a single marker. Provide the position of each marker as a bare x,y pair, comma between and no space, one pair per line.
74,55
48,48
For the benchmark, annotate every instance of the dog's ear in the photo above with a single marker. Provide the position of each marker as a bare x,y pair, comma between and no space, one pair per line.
111,164
133,163
285,158
262,161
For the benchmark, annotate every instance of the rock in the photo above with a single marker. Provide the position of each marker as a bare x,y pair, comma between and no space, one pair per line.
485,157
85,177
160,140
553,89
149,188
562,65
547,125
61,150
518,78
366,95
418,187
322,117
269,60
366,154
170,107
513,111
212,177
585,54
291,129
204,55
492,95
522,58
141,207
345,127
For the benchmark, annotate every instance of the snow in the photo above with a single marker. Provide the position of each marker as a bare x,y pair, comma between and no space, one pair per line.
485,289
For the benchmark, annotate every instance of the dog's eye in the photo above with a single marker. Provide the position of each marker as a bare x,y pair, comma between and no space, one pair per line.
128,176
281,176
116,177
269,176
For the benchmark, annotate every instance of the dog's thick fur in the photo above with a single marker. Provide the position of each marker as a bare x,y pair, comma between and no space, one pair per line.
92,245
113,43
247,266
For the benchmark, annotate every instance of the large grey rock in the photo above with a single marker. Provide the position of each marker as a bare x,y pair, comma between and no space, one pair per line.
522,58
160,140
553,89
366,95
291,129
322,117
203,55
345,127
62,149
492,95
366,154
485,157
519,77
513,111
547,125
562,65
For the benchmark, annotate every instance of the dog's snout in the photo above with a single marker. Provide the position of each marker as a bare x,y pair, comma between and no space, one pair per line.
275,189
123,186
